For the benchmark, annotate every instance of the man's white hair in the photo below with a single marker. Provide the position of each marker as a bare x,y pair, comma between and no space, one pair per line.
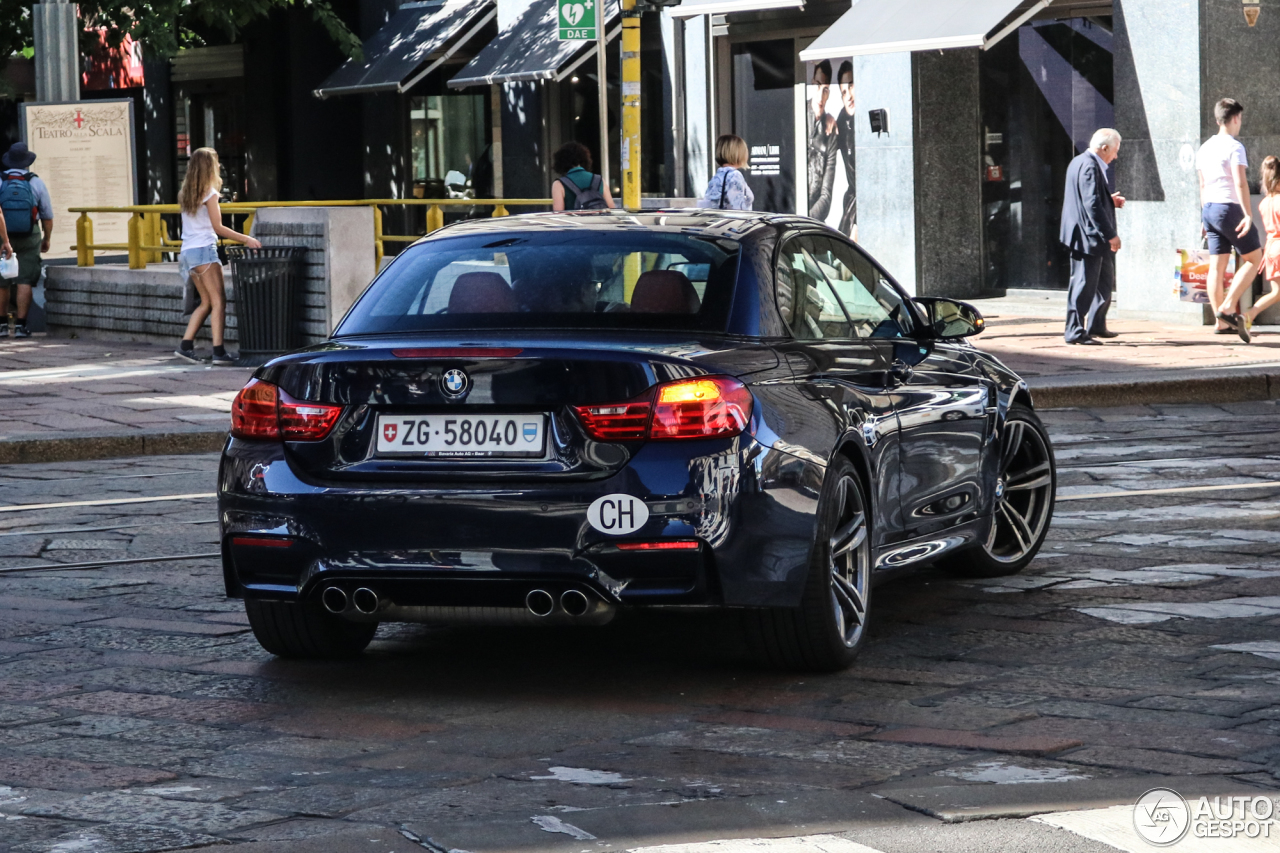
1107,137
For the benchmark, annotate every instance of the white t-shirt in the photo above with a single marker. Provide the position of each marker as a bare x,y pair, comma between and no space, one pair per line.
197,230
1217,161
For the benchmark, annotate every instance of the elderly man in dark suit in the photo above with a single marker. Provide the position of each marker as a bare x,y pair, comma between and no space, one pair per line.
1089,231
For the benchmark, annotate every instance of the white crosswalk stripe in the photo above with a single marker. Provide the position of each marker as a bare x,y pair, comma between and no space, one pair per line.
1114,827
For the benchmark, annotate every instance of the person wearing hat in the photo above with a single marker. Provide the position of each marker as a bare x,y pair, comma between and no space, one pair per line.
28,219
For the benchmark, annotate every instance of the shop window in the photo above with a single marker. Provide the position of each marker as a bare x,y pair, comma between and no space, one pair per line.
1044,91
211,116
447,136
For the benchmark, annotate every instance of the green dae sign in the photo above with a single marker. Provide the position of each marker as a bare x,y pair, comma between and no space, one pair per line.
577,19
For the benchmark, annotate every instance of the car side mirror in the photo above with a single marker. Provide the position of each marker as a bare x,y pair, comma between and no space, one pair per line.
949,318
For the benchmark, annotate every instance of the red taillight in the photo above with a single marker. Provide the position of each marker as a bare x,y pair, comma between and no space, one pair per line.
301,421
253,413
707,407
263,411
617,422
700,408
674,545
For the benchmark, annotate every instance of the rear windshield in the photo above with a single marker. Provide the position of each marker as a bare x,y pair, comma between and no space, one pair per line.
569,278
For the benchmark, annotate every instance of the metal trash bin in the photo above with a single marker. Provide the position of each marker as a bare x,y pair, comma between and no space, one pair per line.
266,283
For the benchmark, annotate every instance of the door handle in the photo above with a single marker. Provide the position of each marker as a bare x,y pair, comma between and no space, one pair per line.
900,372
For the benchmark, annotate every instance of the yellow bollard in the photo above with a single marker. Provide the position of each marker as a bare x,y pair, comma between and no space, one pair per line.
88,241
84,255
137,261
435,218
152,237
378,249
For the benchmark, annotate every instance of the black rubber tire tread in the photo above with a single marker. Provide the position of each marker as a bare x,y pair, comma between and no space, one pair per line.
973,562
304,630
802,639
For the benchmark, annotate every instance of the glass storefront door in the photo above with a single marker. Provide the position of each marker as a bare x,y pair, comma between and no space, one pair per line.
764,79
1045,90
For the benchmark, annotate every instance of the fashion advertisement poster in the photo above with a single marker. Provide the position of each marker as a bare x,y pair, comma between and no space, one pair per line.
832,169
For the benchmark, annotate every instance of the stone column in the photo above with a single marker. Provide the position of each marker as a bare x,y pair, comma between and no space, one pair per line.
948,170
57,51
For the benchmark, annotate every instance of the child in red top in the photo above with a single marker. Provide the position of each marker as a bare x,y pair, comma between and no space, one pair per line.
1270,210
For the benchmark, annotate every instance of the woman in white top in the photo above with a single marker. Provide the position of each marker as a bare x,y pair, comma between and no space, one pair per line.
201,228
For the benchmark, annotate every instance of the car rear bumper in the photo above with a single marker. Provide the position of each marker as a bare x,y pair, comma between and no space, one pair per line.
745,512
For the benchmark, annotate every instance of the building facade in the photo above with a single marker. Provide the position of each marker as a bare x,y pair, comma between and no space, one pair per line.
935,131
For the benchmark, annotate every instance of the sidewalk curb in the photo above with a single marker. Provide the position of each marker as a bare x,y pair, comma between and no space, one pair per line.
1058,392
78,448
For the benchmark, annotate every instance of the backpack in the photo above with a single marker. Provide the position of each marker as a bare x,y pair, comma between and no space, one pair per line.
18,201
589,199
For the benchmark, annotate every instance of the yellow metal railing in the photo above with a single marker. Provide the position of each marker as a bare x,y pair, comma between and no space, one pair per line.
149,237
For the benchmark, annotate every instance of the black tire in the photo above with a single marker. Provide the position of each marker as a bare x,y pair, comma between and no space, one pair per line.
306,630
829,628
1023,505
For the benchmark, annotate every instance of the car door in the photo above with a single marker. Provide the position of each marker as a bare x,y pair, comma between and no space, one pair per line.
945,407
842,373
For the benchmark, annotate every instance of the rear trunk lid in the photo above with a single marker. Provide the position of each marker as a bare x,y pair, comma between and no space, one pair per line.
524,389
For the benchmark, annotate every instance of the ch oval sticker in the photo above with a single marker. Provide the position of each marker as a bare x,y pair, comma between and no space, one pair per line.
617,515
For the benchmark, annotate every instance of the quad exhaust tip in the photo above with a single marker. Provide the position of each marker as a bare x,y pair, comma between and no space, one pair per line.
540,602
574,602
365,600
334,600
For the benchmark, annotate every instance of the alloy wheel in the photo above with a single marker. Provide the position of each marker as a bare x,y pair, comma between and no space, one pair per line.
1024,493
850,568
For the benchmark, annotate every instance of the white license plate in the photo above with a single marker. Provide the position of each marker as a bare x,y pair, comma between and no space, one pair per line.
462,436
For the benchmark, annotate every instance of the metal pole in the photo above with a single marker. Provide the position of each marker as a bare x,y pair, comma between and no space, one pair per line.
630,105
602,92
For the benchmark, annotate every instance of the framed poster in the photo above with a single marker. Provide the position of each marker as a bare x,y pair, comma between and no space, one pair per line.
829,138
85,154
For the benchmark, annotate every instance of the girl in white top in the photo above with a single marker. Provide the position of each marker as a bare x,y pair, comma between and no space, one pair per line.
201,228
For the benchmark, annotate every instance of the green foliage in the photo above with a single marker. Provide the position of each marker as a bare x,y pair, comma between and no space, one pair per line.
165,26
15,27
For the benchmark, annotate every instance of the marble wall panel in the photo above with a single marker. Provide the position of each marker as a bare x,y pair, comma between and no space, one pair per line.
886,164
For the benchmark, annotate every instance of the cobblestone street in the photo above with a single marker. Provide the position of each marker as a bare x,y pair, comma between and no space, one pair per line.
1142,648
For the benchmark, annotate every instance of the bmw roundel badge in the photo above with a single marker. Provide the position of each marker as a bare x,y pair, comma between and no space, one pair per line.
454,383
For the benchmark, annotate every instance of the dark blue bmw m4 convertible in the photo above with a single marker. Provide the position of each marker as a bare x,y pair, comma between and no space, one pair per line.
544,419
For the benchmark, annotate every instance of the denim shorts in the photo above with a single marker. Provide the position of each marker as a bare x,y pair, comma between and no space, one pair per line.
1220,223
189,259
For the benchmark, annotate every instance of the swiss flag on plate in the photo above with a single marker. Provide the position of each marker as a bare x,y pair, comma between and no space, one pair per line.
389,431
